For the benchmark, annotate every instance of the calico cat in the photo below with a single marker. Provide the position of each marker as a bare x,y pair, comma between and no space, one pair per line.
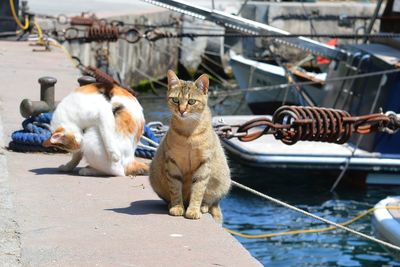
190,168
103,125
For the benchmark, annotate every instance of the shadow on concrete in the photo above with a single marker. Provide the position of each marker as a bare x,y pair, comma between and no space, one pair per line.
50,171
45,171
144,207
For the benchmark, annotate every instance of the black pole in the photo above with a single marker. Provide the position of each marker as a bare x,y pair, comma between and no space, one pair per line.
372,22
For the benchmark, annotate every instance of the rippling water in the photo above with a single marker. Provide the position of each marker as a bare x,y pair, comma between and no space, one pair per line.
244,212
250,214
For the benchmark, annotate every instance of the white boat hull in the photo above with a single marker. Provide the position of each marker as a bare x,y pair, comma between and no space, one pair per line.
268,152
386,222
254,74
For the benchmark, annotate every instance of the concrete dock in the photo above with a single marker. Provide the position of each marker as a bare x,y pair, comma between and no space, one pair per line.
49,218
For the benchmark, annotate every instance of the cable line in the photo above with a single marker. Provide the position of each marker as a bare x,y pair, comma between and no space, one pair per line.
14,14
315,230
337,225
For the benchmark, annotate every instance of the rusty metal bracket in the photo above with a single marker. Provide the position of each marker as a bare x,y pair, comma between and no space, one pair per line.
291,124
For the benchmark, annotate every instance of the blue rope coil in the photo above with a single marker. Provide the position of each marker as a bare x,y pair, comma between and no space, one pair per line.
149,134
23,137
146,153
35,131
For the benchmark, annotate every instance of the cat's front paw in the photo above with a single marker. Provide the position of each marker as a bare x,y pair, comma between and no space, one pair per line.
177,210
193,213
66,168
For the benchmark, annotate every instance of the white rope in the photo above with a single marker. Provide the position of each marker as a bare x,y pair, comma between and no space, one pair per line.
140,145
315,216
149,141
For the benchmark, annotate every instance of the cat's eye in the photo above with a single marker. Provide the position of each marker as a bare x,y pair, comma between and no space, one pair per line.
191,101
175,100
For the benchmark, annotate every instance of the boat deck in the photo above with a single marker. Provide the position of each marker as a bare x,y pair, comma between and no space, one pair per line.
268,152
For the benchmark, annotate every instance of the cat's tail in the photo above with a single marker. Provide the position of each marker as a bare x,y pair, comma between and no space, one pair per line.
136,168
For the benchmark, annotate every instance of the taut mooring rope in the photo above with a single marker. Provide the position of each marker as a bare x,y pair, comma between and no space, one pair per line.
286,205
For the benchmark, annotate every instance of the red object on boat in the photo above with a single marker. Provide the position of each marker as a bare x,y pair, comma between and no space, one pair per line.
324,60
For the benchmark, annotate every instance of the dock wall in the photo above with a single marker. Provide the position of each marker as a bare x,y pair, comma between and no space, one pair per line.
136,62
289,16
322,19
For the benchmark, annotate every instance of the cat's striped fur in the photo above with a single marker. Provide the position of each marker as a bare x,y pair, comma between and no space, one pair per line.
190,170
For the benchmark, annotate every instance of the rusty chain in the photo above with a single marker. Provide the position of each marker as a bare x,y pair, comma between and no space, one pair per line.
101,77
87,19
99,33
105,79
89,28
291,124
101,30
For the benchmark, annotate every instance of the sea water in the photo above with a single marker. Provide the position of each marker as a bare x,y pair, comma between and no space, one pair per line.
250,214
308,190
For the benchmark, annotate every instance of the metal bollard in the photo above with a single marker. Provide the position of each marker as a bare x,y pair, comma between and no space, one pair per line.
85,80
29,108
47,90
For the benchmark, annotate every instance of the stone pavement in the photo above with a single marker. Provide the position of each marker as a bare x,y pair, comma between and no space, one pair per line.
52,219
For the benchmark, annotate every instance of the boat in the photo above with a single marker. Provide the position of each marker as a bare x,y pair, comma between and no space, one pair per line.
374,168
374,157
255,74
266,87
386,222
347,85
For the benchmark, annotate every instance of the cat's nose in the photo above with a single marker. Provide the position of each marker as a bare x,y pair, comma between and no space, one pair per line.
182,110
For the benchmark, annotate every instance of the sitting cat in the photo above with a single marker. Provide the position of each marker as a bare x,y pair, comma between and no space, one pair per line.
190,168
104,126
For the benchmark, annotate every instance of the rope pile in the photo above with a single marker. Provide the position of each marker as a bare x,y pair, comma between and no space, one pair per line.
149,143
35,131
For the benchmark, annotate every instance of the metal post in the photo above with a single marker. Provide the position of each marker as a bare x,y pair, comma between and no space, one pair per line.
373,19
30,108
47,90
85,80
242,7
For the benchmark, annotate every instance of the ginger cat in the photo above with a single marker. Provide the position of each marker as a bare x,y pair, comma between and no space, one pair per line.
103,125
190,168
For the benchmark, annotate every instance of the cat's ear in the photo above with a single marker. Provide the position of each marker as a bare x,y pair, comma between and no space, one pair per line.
172,78
202,83
56,138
